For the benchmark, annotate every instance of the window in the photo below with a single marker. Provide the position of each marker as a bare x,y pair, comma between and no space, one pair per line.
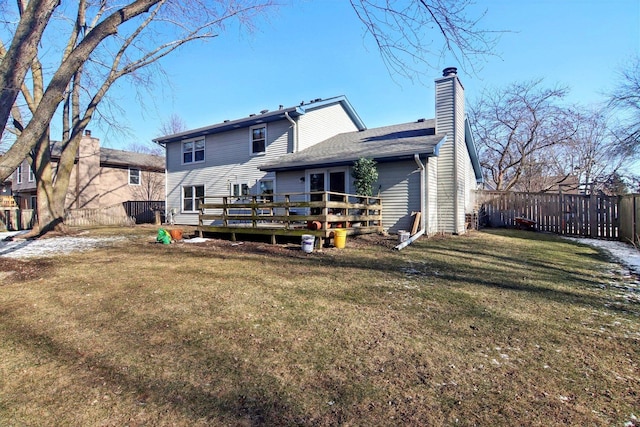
32,176
258,139
191,197
193,151
19,174
266,189
239,190
134,176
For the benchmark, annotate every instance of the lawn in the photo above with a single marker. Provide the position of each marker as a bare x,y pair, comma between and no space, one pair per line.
496,328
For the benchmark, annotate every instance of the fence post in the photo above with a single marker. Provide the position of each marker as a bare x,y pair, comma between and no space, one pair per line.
593,215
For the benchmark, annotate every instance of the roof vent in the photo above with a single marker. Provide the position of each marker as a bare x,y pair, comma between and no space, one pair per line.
226,121
264,111
317,100
251,115
449,71
280,107
421,120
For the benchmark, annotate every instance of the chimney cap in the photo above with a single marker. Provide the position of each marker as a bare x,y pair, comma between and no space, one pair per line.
87,132
449,71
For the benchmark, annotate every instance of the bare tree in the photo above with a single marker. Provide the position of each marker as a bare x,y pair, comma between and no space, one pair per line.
174,124
591,156
151,186
625,100
15,61
88,69
410,35
47,104
515,128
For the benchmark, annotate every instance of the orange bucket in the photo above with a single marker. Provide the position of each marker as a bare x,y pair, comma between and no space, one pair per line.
176,234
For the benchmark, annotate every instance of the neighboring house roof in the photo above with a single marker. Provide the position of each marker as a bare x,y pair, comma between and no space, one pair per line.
266,116
109,156
386,143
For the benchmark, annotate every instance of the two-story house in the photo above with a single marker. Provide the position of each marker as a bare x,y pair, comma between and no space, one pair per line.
427,166
101,177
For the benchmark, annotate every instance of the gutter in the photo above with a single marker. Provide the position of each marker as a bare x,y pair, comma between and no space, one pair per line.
423,210
295,131
422,230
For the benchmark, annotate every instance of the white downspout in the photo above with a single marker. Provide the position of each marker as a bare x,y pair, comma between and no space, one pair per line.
295,131
423,217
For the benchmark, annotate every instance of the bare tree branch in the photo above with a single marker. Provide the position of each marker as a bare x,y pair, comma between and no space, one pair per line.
403,32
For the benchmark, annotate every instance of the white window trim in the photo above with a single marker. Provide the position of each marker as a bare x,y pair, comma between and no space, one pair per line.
139,176
19,174
193,187
258,126
193,153
32,176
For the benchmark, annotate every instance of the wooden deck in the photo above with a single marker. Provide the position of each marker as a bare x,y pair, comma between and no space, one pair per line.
290,215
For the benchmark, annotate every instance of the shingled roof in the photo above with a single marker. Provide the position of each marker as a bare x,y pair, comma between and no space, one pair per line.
109,156
386,143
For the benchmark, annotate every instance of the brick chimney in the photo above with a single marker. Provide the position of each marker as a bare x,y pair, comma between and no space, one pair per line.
87,185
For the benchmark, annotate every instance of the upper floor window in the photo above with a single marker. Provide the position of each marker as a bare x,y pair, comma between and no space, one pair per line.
193,151
19,174
134,176
258,139
32,176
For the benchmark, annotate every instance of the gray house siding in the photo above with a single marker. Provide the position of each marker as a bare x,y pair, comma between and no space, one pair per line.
462,160
471,186
400,191
228,161
452,181
323,123
432,224
399,184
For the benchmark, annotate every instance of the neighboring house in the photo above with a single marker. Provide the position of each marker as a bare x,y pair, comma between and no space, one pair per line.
427,166
101,177
6,197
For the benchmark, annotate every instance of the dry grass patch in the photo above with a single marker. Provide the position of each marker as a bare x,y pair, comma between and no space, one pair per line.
497,328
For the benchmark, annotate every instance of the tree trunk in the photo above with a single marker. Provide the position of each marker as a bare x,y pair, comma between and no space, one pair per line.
50,209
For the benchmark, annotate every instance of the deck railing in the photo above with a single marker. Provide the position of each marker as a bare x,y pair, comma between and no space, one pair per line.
316,213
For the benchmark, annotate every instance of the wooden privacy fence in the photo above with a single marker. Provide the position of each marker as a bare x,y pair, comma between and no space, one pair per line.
13,218
144,211
596,216
629,211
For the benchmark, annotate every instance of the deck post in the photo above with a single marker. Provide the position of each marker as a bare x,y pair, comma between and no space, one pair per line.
287,223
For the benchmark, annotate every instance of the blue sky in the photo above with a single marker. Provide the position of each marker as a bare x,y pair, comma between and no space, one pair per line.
311,49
